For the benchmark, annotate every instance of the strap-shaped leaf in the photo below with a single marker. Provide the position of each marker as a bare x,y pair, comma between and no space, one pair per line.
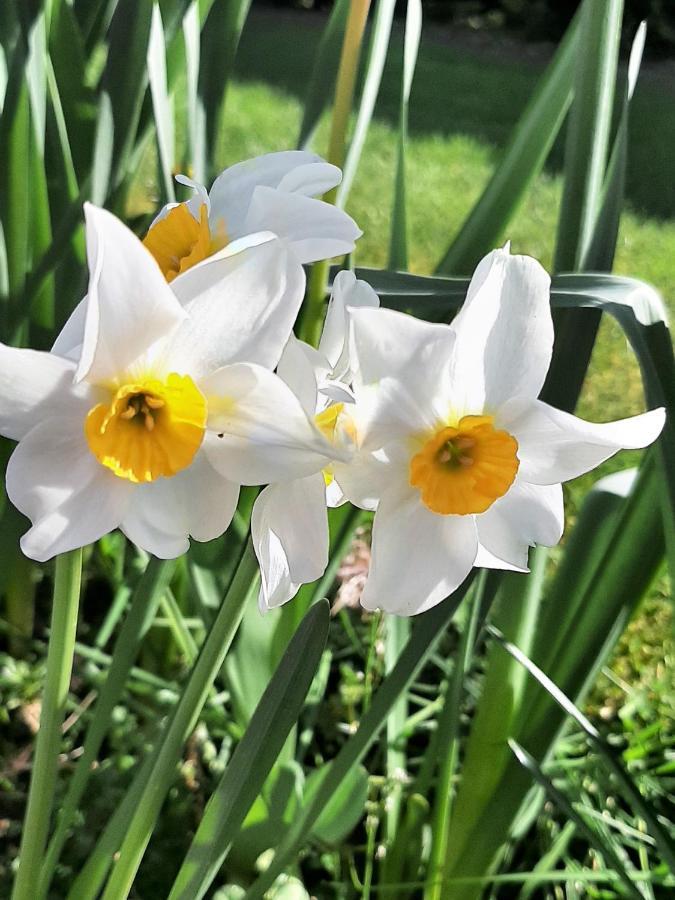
428,628
398,246
322,80
377,54
274,717
161,104
522,161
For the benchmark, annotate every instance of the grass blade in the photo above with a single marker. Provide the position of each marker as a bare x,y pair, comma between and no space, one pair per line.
256,753
196,118
602,247
180,726
161,104
560,800
324,71
634,796
398,247
125,77
427,630
65,607
523,159
588,132
140,615
377,54
220,39
585,163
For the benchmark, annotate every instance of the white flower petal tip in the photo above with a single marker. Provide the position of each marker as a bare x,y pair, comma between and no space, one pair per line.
289,529
555,446
129,304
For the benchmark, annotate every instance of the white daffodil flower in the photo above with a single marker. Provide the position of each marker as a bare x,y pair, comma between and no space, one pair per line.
289,525
273,193
157,401
461,460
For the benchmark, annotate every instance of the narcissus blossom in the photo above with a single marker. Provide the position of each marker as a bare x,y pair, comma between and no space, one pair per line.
273,193
460,459
157,401
289,525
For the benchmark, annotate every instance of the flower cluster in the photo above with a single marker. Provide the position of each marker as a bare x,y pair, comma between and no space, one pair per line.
178,379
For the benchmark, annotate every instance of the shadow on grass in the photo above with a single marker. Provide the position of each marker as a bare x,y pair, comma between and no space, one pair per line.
461,91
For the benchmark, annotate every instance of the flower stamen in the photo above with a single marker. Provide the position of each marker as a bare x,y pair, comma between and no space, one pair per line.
172,417
463,469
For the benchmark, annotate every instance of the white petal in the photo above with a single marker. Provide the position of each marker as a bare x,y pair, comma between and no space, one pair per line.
129,303
197,502
289,529
386,343
504,334
297,367
69,340
258,431
528,514
389,411
232,190
162,544
207,274
313,229
69,497
418,557
311,178
348,291
245,311
555,446
486,560
366,477
34,386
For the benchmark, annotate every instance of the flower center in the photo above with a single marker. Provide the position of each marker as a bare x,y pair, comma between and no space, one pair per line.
178,241
326,420
465,468
149,429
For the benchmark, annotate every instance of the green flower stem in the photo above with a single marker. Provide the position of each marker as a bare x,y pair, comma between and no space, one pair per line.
448,740
57,680
342,107
145,599
181,724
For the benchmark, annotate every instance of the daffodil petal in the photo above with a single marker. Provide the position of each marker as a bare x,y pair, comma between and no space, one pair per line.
386,342
527,515
298,368
129,303
258,431
70,499
348,292
33,386
197,502
232,190
418,557
555,446
310,178
313,229
504,334
289,529
244,314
